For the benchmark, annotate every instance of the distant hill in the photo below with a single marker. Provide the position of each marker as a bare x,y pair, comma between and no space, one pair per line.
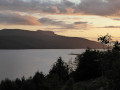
24,39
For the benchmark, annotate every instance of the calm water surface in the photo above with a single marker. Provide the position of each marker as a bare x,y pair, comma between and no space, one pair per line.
18,63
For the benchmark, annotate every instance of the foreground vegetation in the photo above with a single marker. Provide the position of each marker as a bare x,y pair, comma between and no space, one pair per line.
92,70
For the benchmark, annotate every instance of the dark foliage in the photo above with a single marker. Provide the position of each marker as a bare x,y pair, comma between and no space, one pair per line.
60,68
88,66
58,75
96,70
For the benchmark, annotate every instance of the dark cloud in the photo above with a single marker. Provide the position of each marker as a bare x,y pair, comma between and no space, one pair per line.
80,23
94,7
47,21
17,19
68,3
110,27
88,7
62,25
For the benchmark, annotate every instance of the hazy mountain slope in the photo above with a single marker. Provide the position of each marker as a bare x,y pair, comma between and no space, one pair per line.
23,39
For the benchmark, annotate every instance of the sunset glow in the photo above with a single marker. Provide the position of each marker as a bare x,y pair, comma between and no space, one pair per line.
78,18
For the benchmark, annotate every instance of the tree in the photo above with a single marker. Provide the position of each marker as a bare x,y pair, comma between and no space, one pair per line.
69,85
28,85
18,83
105,40
116,46
88,66
39,80
60,68
58,75
8,85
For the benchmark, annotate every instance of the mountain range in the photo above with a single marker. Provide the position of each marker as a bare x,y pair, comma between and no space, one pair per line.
25,39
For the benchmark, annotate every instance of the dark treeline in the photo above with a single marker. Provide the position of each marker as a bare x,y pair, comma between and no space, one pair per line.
91,70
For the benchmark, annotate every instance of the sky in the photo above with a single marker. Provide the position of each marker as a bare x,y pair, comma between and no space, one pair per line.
75,18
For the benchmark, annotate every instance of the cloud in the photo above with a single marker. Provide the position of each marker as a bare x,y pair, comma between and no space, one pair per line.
110,27
76,23
68,3
95,7
118,19
53,22
17,19
92,7
49,21
62,24
87,7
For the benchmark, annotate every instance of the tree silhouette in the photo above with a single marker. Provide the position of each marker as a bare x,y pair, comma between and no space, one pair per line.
39,80
88,66
61,69
116,46
8,85
105,40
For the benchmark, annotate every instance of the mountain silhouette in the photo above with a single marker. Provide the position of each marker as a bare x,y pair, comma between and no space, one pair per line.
25,39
